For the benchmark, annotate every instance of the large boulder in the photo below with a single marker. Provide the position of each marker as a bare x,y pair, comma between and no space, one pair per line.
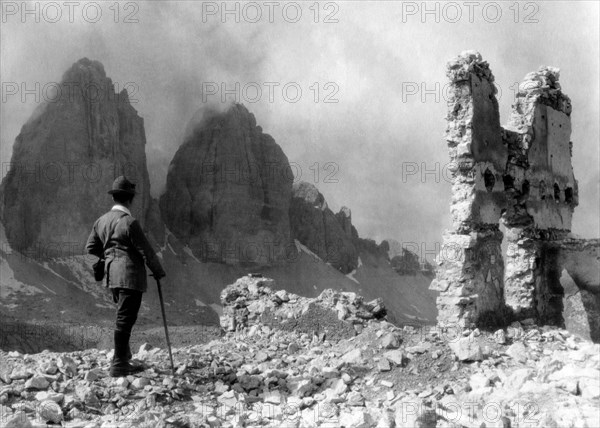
328,235
228,191
65,159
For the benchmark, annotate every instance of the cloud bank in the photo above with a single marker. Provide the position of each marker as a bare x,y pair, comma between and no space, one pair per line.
358,105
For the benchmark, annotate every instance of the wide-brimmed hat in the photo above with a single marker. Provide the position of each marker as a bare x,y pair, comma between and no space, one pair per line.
122,185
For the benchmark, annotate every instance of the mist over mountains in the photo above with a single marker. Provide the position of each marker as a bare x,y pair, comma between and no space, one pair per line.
376,130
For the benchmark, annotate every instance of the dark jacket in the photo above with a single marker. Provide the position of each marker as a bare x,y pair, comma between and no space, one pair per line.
126,251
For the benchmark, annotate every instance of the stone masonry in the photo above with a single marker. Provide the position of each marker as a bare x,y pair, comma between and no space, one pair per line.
521,176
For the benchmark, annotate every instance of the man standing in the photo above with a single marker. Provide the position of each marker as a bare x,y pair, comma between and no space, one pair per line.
119,238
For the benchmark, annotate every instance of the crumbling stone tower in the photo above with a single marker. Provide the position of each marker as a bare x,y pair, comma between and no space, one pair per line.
520,175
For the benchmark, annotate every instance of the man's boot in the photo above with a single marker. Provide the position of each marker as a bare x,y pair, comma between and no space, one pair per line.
120,365
136,364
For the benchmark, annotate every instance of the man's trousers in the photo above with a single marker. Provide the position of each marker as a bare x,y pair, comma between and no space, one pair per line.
128,304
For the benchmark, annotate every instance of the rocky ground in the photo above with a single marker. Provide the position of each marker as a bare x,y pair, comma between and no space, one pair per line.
333,361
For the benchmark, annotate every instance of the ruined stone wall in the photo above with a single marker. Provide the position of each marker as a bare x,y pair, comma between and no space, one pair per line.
470,273
542,195
520,176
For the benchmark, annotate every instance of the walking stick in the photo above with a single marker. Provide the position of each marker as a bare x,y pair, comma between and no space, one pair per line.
162,308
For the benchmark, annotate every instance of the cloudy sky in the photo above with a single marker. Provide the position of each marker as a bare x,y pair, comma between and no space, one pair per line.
371,75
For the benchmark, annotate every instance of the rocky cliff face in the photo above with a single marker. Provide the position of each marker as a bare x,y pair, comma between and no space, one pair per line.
228,191
335,240
65,159
328,235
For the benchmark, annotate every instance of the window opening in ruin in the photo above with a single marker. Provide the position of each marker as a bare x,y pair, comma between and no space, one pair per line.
525,188
556,193
569,195
509,182
489,179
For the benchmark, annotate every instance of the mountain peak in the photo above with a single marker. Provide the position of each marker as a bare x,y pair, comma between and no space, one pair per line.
226,167
309,193
88,124
85,68
233,115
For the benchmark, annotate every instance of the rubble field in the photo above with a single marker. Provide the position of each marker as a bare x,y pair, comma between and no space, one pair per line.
330,361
